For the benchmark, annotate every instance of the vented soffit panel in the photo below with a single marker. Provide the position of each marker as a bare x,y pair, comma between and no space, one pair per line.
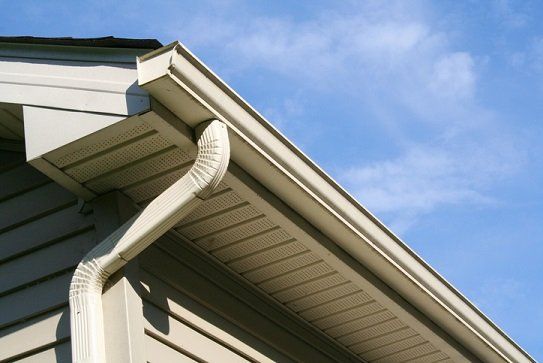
256,235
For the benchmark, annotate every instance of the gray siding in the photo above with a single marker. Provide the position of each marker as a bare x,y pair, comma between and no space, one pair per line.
179,282
194,308
181,320
42,238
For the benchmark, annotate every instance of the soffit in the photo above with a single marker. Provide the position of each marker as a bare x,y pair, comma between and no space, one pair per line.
194,93
240,227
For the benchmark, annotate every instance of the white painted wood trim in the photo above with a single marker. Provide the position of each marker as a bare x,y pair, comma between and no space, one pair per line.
72,85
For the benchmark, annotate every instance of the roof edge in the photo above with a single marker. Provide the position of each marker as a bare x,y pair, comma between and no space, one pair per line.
110,50
351,213
101,42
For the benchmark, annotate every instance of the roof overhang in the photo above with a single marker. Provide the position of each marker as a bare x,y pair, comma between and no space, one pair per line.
269,172
193,93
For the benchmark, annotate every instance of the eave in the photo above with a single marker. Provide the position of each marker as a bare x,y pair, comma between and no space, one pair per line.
173,73
271,175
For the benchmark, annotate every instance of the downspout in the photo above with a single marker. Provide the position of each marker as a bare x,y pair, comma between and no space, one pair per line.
165,211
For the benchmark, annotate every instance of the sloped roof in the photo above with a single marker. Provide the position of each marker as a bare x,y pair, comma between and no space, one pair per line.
102,42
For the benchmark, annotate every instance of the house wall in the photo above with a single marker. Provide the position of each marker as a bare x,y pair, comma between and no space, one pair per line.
194,311
42,238
179,328
174,298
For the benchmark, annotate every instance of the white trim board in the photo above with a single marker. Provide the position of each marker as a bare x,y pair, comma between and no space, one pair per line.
72,85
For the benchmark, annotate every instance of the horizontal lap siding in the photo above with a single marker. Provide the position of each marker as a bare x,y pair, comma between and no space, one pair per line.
60,353
42,238
171,288
10,159
176,325
157,351
34,335
163,303
185,339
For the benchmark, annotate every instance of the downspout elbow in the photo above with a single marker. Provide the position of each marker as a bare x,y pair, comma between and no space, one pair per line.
135,235
85,298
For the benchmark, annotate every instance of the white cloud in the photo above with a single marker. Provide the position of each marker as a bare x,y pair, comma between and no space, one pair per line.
288,111
393,56
454,76
323,46
426,177
529,59
510,15
390,49
416,182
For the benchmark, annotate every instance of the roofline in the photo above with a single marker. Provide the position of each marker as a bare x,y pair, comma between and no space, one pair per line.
112,50
101,42
441,302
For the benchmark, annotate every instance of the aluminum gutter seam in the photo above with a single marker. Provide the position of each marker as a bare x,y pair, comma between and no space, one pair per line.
166,210
342,205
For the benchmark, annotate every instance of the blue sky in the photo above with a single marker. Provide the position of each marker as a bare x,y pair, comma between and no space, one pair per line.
428,112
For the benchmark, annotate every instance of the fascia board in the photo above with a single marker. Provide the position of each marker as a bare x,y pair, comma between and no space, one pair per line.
82,85
172,74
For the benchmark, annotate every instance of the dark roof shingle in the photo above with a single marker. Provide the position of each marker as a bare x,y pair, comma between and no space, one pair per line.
103,42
